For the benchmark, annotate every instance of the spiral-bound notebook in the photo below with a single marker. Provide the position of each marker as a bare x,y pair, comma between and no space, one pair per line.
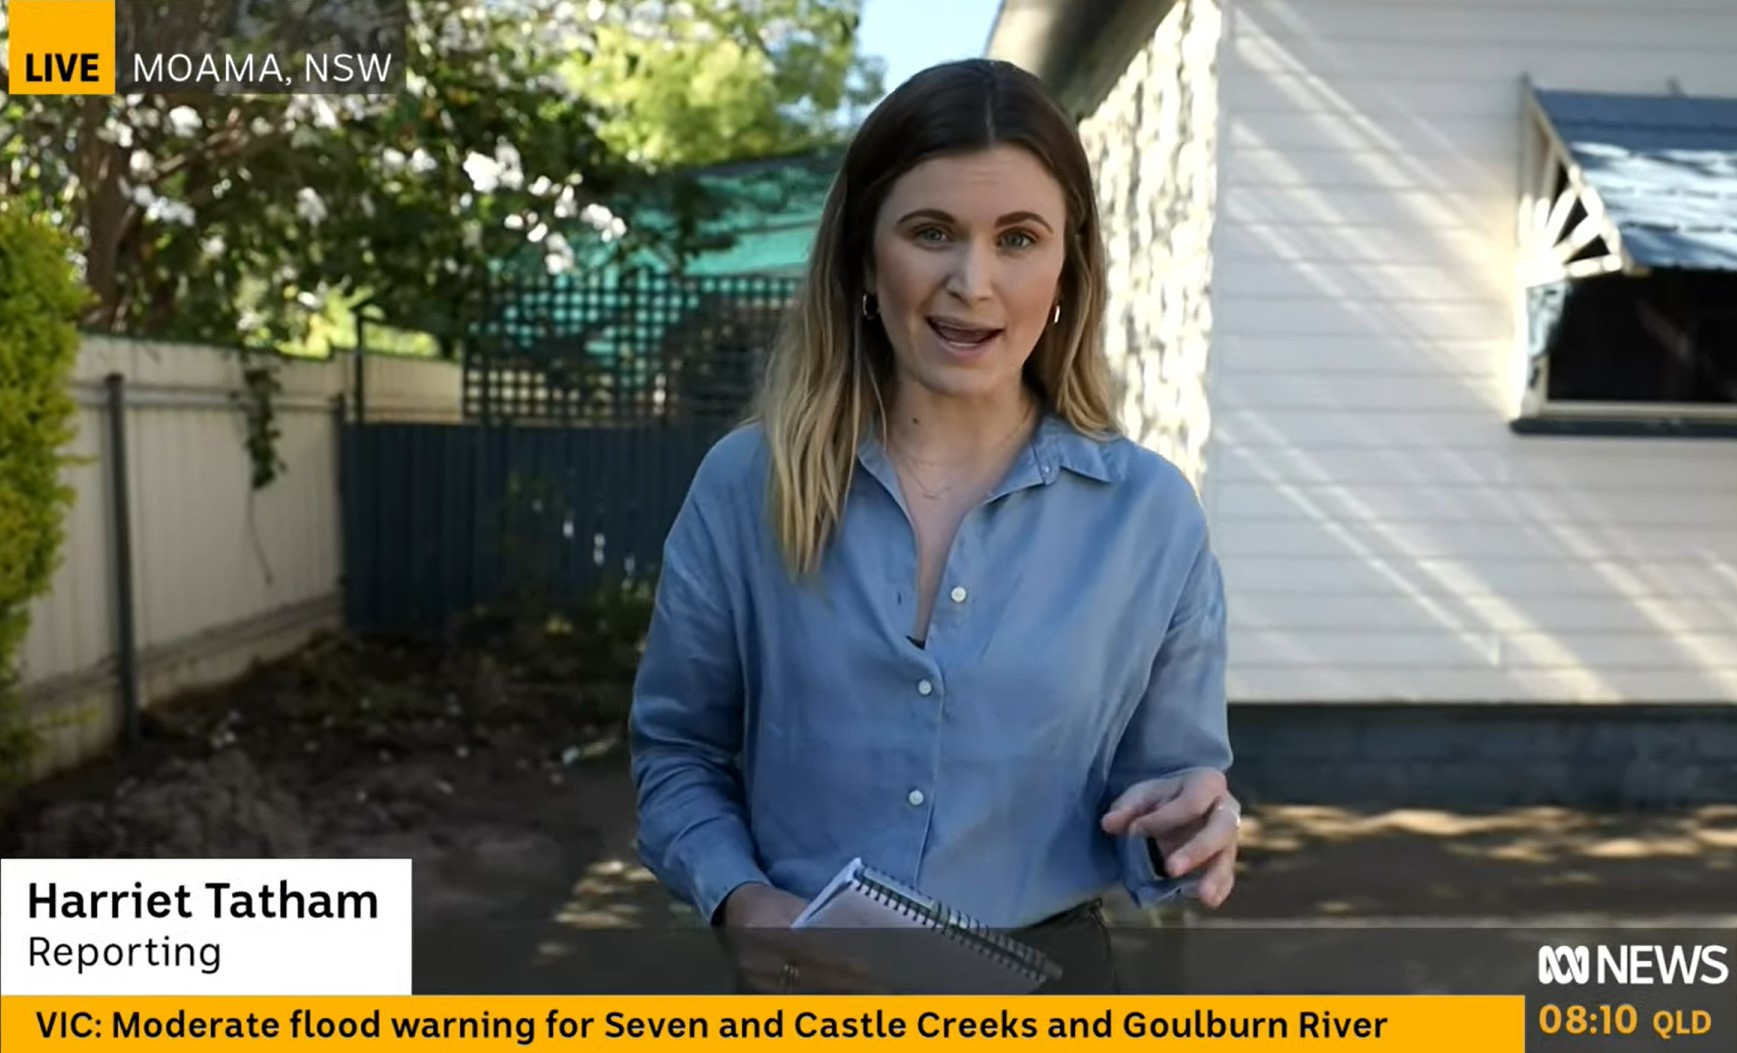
969,958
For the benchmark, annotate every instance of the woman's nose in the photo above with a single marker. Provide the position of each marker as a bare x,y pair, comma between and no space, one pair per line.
969,278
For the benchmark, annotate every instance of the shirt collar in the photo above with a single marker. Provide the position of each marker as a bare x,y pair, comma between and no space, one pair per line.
1058,444
1055,445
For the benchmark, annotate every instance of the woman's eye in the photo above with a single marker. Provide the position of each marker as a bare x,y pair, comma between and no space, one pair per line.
931,234
1019,239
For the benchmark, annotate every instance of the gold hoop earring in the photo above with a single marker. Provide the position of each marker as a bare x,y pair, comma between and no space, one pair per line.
1055,315
867,311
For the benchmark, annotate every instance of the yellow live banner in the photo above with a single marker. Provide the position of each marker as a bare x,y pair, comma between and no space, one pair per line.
61,47
1415,1023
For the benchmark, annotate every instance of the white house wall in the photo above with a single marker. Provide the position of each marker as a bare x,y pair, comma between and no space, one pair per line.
1385,537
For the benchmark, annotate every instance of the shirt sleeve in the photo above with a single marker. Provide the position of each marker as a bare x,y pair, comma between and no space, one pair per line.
1180,724
685,726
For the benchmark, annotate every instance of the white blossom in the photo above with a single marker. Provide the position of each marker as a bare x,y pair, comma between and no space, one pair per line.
558,262
421,161
177,212
484,172
212,246
114,130
318,111
184,121
310,207
567,205
140,164
511,171
603,221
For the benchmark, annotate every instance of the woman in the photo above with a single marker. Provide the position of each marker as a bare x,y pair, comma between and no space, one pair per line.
929,608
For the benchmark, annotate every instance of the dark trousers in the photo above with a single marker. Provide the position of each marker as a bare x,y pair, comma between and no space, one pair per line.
1078,940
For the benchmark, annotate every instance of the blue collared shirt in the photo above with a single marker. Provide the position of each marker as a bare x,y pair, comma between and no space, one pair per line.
782,726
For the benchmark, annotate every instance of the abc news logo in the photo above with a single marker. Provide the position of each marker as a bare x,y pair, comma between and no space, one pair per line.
1633,964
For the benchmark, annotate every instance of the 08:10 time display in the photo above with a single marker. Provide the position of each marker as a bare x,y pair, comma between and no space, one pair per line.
1588,1020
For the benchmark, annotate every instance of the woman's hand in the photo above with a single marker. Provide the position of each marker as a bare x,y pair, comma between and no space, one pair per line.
756,906
1194,821
774,958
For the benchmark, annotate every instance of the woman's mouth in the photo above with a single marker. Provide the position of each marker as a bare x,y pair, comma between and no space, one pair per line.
960,337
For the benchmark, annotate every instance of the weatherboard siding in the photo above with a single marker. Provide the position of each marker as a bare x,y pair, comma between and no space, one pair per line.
1385,536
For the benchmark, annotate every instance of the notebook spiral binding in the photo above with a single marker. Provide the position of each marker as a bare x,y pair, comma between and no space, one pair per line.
1028,961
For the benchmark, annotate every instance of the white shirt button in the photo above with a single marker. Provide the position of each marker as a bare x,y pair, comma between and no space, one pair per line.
924,687
958,594
915,797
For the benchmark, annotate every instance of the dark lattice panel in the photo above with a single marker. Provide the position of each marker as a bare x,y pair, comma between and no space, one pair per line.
618,351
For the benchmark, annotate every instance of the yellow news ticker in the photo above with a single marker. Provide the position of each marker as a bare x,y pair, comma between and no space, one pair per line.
35,1024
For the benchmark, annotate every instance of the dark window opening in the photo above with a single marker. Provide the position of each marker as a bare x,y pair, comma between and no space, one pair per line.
1668,337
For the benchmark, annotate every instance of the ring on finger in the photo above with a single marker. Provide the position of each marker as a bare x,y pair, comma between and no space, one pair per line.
1226,804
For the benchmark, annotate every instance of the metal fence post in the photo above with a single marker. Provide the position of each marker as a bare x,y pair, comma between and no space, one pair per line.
361,364
341,471
126,644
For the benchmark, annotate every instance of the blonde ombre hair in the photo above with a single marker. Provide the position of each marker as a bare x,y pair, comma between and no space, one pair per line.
823,385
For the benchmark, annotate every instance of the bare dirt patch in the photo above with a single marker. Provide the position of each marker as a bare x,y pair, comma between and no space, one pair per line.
496,760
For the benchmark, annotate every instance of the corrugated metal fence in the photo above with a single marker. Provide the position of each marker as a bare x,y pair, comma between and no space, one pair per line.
443,521
598,402
590,402
222,574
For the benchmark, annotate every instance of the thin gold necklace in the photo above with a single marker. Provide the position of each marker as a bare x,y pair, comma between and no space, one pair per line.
910,463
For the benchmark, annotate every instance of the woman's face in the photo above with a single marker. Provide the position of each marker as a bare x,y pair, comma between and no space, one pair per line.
968,254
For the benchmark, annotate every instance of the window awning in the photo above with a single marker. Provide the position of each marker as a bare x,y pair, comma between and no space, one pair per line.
1622,182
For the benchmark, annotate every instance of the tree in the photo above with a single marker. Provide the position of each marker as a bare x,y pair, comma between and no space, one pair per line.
697,82
39,302
243,219
233,219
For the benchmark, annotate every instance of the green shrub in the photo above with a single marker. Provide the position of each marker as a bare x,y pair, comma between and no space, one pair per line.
41,300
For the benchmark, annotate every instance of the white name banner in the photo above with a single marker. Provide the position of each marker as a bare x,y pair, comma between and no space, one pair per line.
205,927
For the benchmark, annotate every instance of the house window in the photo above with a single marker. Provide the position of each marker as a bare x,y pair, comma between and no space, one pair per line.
1629,250
1666,338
